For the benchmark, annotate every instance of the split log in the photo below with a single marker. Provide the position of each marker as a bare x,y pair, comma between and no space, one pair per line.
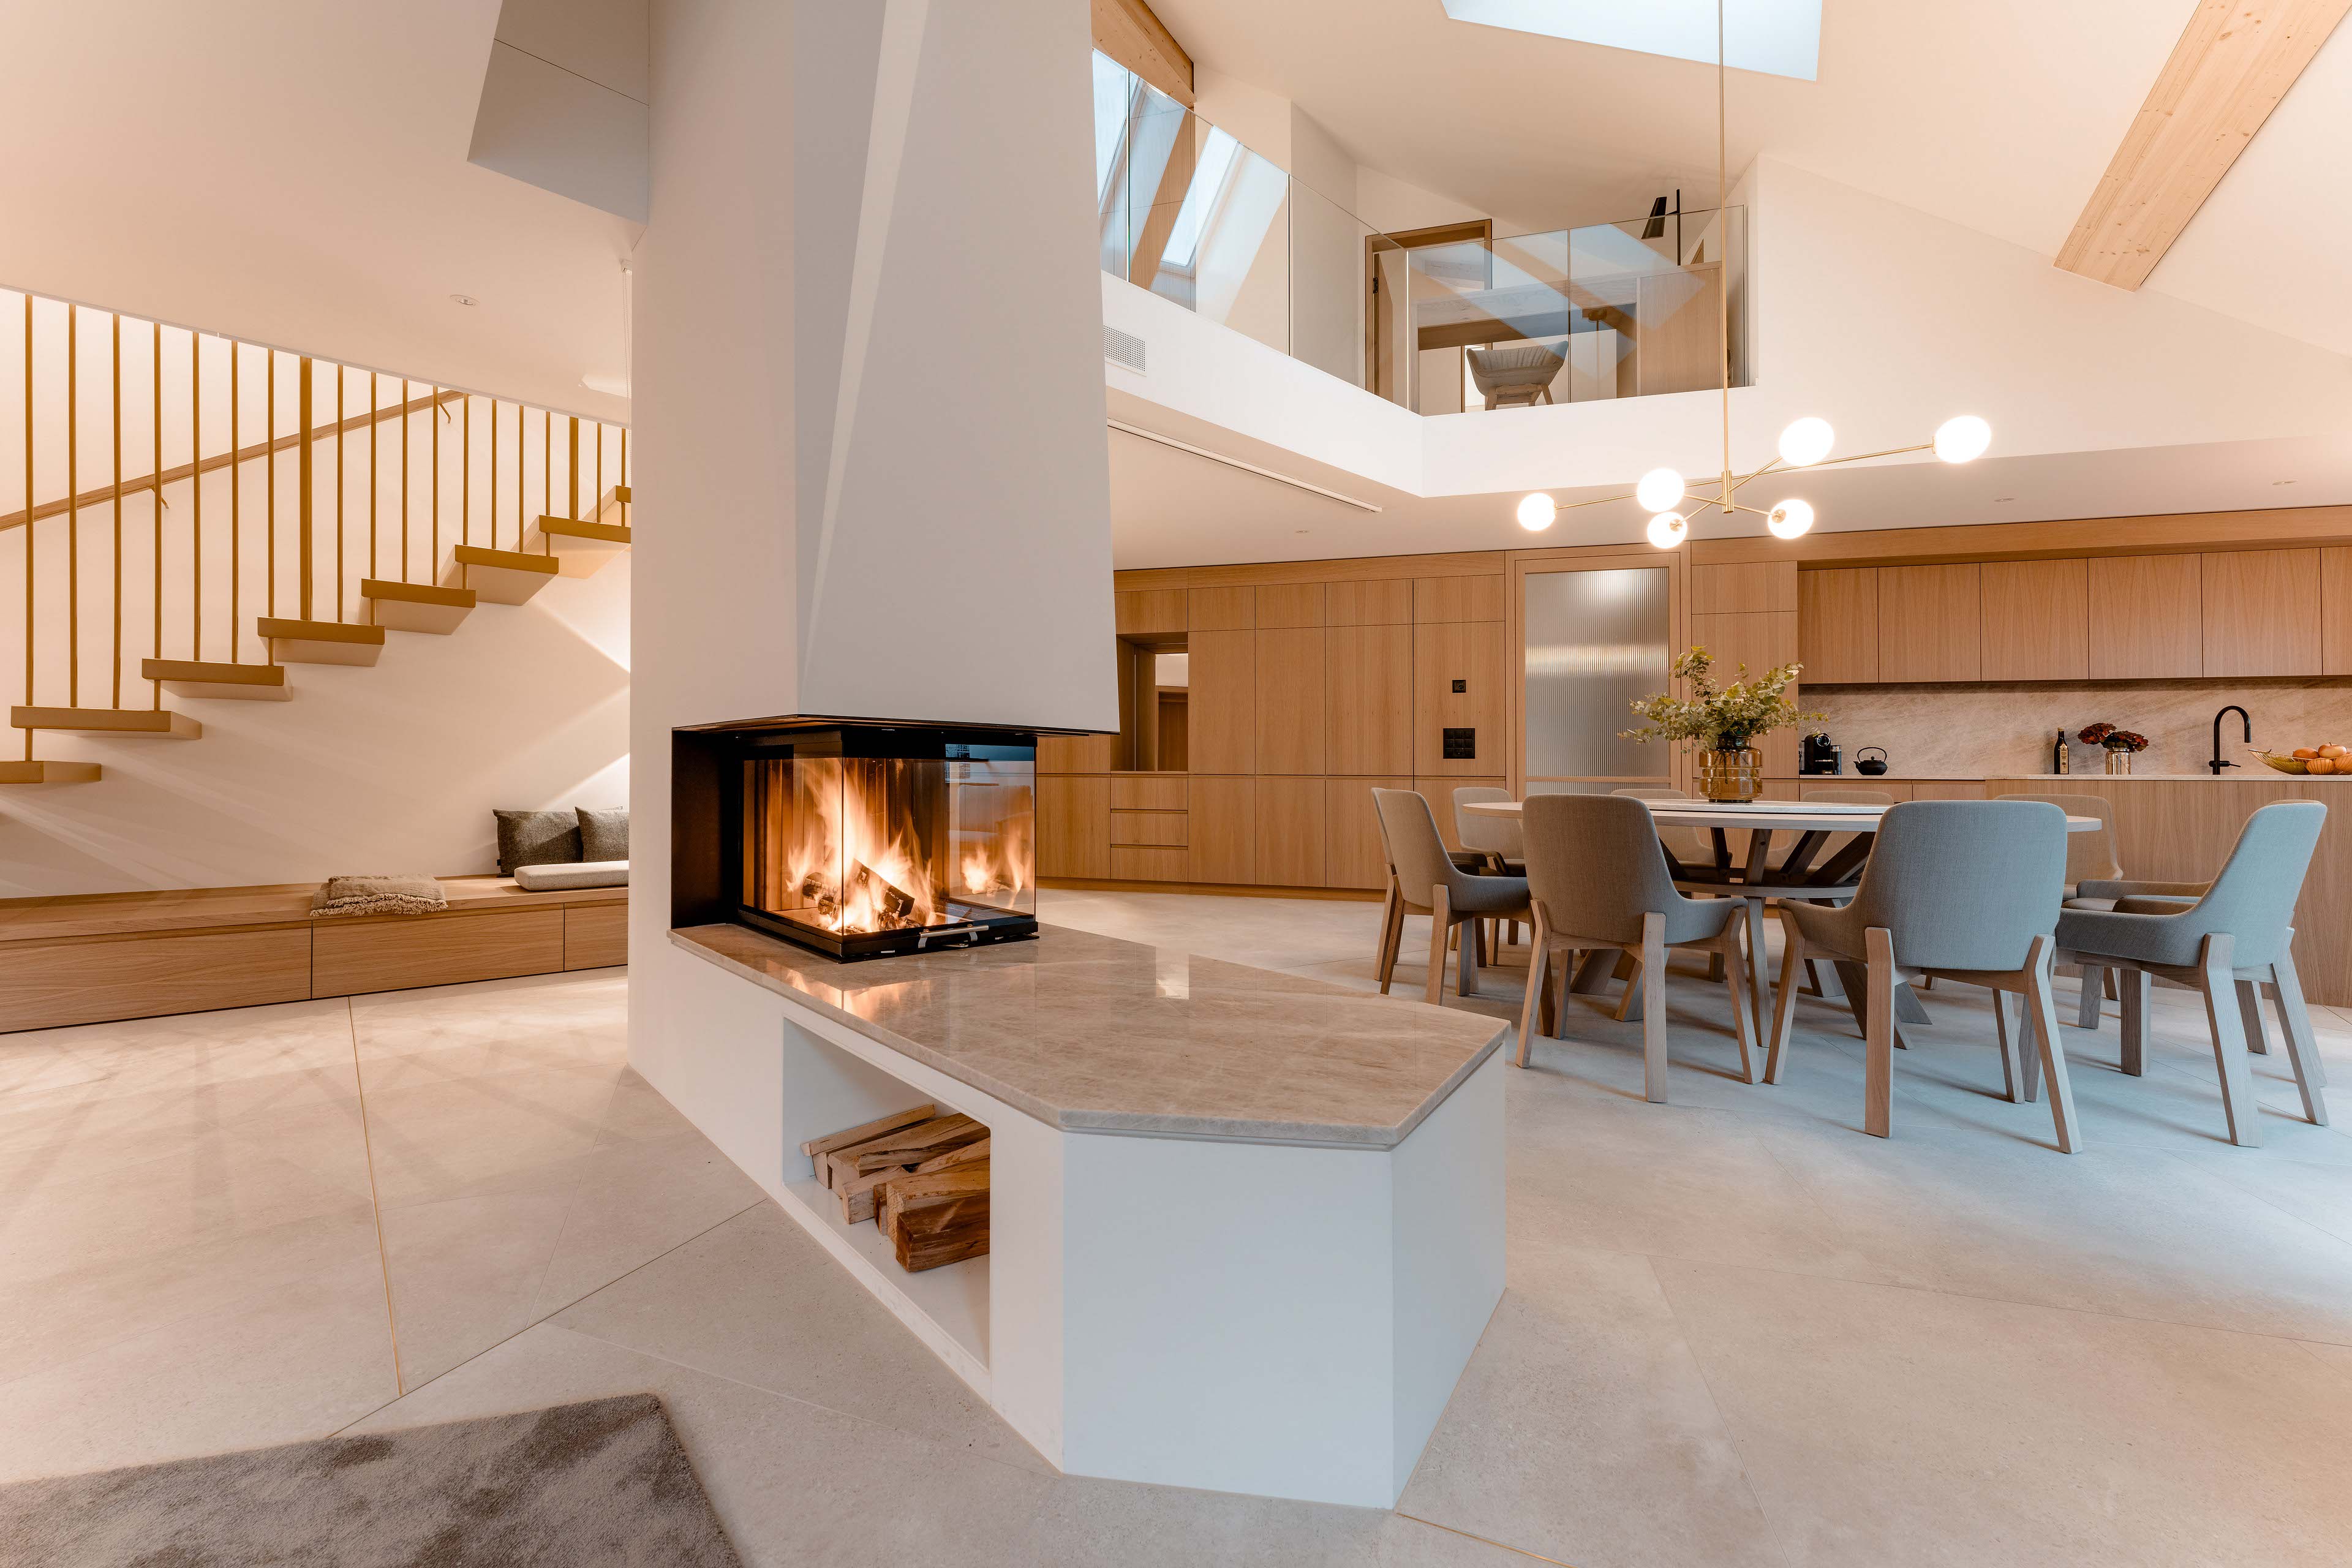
909,1146
963,1156
942,1233
861,1196
916,1191
818,1148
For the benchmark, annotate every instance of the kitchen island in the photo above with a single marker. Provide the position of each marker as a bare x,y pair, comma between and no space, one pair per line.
1245,1228
2178,827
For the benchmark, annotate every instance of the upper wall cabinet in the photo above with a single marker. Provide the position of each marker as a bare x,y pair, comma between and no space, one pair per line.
1930,623
1457,599
2261,612
1837,625
1223,609
2336,606
2036,620
1385,602
1744,588
1153,612
2148,617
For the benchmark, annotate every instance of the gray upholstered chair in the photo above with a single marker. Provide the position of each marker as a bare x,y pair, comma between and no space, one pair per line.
2090,857
1522,373
1685,843
1829,851
1494,838
2233,938
1597,878
1965,889
1424,881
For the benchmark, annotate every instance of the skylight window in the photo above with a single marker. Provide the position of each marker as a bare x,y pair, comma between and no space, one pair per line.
1114,99
1217,157
1778,37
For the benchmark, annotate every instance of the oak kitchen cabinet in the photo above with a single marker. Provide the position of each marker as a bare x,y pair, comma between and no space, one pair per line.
1930,623
2150,614
1837,625
2261,612
2036,622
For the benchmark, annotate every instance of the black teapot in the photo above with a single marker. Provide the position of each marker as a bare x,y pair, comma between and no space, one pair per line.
1863,762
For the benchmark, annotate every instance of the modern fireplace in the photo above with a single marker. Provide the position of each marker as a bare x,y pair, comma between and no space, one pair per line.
860,838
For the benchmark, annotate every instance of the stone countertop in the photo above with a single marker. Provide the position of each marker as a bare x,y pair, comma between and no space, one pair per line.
2235,775
1090,1033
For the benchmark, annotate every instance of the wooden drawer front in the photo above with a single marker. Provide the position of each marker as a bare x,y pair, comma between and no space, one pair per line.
1147,792
595,936
435,950
1133,864
93,979
1163,829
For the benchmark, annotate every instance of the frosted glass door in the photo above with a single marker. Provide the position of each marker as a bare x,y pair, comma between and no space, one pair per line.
1596,641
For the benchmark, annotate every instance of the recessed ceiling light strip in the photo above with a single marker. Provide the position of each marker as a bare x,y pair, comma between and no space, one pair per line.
1245,468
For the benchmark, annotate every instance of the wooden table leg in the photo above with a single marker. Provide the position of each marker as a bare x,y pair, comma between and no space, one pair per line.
1599,967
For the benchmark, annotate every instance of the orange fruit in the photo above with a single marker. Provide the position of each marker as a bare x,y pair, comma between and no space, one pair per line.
2331,750
2320,766
2305,754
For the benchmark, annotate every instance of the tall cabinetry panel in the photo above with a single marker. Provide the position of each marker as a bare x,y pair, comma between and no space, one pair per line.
1291,695
1459,703
1292,818
1221,707
1073,827
2335,610
1761,640
1353,855
1223,829
2261,612
1837,625
1368,699
2035,621
1930,623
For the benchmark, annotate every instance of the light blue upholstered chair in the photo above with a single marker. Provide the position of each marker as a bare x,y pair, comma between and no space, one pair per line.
1966,889
1597,878
1424,881
2232,939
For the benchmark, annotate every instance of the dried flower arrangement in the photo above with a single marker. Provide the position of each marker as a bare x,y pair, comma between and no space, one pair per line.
1721,720
2113,739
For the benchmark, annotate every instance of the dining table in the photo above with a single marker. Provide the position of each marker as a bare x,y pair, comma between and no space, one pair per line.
1823,865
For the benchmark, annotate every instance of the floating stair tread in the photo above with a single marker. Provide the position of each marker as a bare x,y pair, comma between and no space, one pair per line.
25,773
213,679
321,642
161,723
417,593
417,606
505,560
578,528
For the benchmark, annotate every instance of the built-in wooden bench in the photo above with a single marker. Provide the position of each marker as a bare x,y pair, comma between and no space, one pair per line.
86,959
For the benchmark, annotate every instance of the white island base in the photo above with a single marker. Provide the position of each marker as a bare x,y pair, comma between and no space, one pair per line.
1247,1228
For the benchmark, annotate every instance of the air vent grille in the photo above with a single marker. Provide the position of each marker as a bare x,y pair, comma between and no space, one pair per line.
1123,349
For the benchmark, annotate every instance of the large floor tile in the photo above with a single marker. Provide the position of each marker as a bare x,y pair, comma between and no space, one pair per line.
503,1133
277,1365
465,1273
1583,1430
1088,1522
1882,1426
796,1485
758,1300
2119,1229
637,1199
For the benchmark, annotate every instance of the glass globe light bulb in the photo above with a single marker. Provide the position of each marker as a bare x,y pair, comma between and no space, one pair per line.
1806,442
1667,529
1536,510
1659,489
1789,520
1961,439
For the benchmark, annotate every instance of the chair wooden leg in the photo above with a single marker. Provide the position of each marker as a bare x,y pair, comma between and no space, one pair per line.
2249,1012
1465,963
1625,964
1813,979
2086,1007
1532,1004
1878,1035
1391,933
2012,1069
1630,1005
1595,970
1653,1013
1441,926
1734,982
1793,964
1553,995
1760,995
2221,989
2302,1046
1716,968
2138,991
2047,1045
2114,995
2029,1053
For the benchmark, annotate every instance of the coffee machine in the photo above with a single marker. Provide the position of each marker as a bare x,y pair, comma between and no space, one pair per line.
1820,756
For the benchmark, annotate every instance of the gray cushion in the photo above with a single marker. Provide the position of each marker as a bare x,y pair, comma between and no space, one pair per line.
536,838
605,835
579,874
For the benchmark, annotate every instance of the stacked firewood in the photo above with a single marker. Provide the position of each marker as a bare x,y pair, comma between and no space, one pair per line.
920,1176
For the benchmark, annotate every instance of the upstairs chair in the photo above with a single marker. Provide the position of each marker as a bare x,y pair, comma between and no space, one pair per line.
1598,878
2234,936
1496,839
1423,881
1522,374
1965,889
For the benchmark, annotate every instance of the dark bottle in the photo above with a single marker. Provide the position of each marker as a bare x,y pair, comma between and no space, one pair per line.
2061,761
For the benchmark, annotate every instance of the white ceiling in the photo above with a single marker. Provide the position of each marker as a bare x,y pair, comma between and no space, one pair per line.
297,174
1997,114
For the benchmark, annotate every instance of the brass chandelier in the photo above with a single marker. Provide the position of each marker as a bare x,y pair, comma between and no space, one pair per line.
1805,444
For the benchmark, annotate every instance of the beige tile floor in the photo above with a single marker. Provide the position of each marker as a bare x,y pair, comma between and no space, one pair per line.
1737,1332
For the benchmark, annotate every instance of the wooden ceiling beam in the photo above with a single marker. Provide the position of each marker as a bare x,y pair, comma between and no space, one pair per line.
1129,33
2234,61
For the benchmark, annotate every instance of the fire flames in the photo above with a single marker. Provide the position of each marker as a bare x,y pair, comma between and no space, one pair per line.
851,868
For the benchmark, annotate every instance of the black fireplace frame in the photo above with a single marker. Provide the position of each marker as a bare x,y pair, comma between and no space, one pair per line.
706,810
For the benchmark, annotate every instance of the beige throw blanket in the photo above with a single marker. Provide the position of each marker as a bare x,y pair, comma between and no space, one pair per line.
379,896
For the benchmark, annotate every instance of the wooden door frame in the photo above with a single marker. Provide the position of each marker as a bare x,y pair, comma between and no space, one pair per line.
1405,239
1519,564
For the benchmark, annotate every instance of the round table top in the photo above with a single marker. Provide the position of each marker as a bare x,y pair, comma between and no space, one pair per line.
1781,815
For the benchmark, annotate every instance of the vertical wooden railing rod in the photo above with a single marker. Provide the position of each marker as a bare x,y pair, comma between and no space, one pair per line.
371,570
625,474
523,462
433,418
73,514
406,419
269,492
494,473
235,524
343,439
196,492
546,472
155,385
31,527
305,472
571,484
114,323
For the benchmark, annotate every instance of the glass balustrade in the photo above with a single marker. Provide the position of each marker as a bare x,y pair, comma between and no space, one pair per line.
1619,309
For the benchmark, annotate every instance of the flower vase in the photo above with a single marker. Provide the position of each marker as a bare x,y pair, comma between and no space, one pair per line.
1731,777
2120,761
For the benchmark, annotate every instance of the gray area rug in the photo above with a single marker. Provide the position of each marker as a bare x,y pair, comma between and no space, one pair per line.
597,1484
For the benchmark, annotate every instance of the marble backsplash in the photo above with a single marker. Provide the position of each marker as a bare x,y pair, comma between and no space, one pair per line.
1973,732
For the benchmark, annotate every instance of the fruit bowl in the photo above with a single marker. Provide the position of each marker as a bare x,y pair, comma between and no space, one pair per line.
2284,764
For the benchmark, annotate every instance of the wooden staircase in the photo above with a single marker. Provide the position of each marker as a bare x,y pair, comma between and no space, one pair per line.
462,535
